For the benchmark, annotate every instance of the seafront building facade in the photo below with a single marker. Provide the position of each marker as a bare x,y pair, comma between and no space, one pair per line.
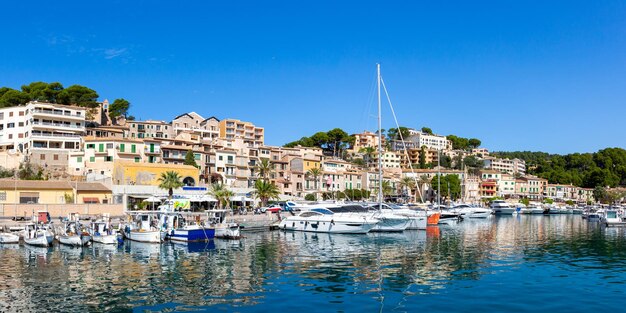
128,156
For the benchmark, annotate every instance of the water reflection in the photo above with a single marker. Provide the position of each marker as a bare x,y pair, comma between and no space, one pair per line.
477,263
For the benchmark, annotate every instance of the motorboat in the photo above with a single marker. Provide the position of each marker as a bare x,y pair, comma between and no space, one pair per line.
531,210
501,207
223,228
417,219
143,227
613,217
186,227
467,211
73,232
102,232
349,219
8,238
36,234
39,232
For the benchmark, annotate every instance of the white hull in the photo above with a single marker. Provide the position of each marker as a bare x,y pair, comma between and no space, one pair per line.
144,236
391,224
504,211
328,224
417,222
531,211
74,240
105,239
6,238
227,231
41,241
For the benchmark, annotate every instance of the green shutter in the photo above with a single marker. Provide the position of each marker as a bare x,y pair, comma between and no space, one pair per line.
121,147
92,159
133,148
101,147
152,148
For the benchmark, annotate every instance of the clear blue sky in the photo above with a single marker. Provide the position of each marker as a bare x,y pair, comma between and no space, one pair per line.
525,75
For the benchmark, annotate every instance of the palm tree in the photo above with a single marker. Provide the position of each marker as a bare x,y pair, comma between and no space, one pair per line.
315,173
368,153
387,189
221,193
407,183
170,180
265,191
264,168
421,182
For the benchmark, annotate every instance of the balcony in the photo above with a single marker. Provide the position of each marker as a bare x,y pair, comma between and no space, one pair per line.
155,150
48,125
49,112
55,135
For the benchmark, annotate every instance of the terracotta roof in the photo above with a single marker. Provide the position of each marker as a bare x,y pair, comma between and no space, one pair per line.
8,184
91,187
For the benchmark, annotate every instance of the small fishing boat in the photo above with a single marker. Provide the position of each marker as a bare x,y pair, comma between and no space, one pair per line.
143,228
73,232
186,227
39,233
102,232
8,238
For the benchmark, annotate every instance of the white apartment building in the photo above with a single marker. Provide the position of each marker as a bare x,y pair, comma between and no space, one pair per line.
506,186
417,139
44,132
390,159
508,166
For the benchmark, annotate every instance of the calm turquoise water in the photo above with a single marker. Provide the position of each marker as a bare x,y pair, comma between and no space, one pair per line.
514,264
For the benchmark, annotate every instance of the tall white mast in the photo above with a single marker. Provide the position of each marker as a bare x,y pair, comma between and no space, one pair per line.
380,144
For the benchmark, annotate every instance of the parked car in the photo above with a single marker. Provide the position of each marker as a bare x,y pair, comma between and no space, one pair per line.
272,209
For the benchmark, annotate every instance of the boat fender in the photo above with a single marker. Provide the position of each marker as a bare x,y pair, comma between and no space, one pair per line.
332,222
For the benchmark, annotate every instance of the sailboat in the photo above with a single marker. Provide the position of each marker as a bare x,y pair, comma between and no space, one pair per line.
388,220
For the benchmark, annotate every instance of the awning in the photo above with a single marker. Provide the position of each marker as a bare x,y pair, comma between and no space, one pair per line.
152,199
239,199
91,200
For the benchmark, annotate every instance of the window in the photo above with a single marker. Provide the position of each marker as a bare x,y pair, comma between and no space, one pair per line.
91,146
92,159
42,156
109,145
10,114
108,158
101,147
20,124
10,136
137,159
55,157
1,116
29,197
10,125
79,159
3,196
20,135
220,158
133,148
122,147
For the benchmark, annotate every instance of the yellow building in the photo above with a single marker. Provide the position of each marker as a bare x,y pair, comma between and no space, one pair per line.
131,173
52,192
310,164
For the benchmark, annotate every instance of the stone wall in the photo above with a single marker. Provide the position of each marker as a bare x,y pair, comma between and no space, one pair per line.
59,210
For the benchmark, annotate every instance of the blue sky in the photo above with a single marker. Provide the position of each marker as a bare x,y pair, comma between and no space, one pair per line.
519,75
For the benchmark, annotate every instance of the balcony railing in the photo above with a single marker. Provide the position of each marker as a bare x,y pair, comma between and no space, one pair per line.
55,135
56,113
58,125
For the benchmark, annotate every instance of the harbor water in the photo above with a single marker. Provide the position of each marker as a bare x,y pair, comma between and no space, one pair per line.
556,263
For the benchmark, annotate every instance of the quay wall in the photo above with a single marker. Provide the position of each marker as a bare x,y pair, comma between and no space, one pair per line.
59,210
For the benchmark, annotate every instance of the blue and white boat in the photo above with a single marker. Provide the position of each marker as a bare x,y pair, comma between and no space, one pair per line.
186,227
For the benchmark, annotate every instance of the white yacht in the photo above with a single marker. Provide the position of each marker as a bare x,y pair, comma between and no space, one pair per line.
416,219
143,228
501,207
468,211
531,209
350,219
